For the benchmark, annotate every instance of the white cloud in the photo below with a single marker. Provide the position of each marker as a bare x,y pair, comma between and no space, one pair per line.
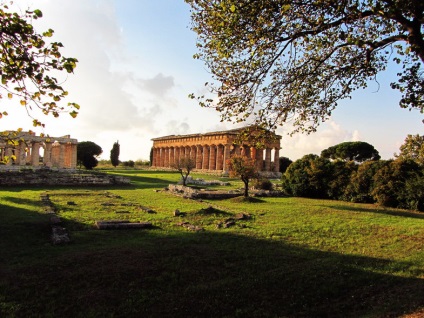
159,86
327,135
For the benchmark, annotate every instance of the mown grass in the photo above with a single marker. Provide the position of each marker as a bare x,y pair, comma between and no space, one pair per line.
293,258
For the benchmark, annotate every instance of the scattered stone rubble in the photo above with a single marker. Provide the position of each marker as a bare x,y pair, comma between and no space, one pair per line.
122,224
191,193
191,227
68,177
59,233
232,221
199,181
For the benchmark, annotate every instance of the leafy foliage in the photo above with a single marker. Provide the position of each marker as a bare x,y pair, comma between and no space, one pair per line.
284,163
263,184
114,154
394,183
243,168
400,184
129,163
361,182
307,177
184,166
87,151
339,179
27,63
358,151
413,148
279,60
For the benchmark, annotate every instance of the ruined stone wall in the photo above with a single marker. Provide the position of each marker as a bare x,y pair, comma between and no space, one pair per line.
47,177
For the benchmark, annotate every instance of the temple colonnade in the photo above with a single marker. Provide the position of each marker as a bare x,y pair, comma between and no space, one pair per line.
211,151
26,149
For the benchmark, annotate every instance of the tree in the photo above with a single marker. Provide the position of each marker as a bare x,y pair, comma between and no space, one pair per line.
281,60
400,184
244,168
284,163
357,151
308,176
184,166
340,175
114,154
361,182
412,148
28,65
87,151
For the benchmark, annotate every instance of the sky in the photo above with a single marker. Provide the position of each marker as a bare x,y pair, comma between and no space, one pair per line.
136,70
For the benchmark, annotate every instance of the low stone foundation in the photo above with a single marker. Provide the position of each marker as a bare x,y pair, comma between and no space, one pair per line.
202,194
48,177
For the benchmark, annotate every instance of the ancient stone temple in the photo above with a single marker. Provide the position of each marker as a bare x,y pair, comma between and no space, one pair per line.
211,151
26,149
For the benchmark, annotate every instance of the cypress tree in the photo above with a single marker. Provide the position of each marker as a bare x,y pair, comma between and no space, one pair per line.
114,154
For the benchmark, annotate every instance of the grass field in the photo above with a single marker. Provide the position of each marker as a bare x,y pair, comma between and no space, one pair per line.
294,257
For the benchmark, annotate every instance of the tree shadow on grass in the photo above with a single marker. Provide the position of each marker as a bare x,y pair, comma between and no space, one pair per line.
208,275
380,210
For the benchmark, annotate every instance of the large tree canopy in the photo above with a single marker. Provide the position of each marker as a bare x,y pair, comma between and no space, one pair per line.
358,151
281,60
28,65
87,151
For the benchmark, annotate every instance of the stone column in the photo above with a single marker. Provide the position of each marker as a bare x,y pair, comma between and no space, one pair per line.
219,157
159,157
171,156
74,156
28,155
227,151
17,153
259,158
253,153
212,157
177,154
193,153
166,157
199,156
9,153
23,154
268,159
35,154
48,154
205,159
237,150
61,155
277,160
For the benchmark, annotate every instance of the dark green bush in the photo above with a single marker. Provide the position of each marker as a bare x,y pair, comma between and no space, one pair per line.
263,184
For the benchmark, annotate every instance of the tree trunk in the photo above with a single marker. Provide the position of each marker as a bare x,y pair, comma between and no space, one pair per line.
246,189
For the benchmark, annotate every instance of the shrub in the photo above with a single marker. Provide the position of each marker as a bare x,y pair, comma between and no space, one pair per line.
263,184
399,185
128,163
308,177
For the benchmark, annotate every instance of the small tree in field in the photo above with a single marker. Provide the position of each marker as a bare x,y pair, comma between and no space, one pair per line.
86,153
245,169
114,154
184,167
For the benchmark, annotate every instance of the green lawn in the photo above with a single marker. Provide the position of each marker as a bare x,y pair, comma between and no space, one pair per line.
294,257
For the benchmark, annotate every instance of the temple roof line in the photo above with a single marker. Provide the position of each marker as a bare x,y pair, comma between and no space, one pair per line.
234,131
